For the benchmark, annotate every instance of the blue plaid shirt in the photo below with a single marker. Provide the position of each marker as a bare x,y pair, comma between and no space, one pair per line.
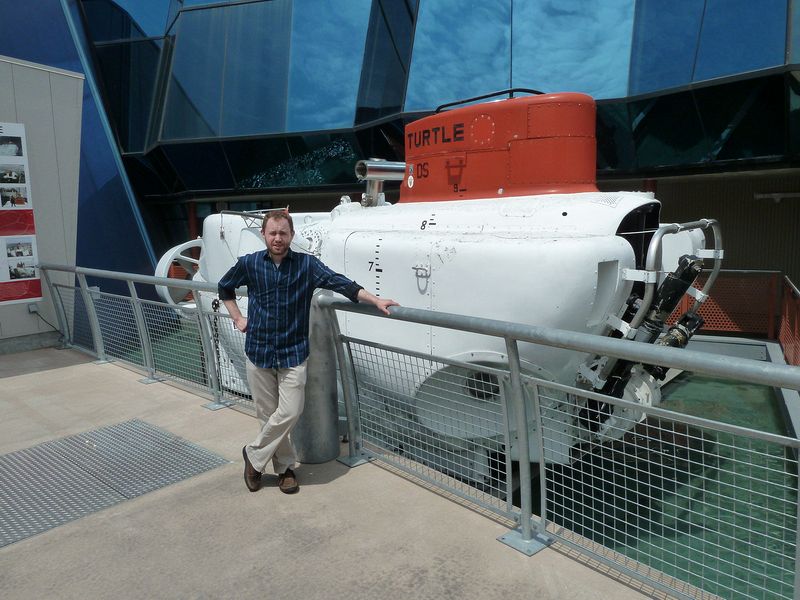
278,303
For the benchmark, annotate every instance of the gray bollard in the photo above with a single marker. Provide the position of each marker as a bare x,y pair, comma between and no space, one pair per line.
316,435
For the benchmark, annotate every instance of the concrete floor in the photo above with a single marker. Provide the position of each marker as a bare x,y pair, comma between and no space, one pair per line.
354,533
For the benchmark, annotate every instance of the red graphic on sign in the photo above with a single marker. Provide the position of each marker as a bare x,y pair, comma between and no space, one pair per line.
20,290
17,222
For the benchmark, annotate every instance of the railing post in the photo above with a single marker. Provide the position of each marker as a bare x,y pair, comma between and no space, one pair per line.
347,373
144,335
209,350
541,528
796,319
58,306
523,539
774,299
91,313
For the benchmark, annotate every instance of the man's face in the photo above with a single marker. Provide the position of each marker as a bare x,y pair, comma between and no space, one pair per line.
278,236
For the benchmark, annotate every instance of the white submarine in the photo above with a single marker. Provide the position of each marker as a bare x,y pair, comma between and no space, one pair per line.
499,216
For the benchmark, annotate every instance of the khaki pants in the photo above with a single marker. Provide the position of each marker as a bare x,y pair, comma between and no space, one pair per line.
279,395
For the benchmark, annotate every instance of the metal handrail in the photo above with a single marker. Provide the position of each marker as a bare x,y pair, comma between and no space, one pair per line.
791,285
743,369
184,284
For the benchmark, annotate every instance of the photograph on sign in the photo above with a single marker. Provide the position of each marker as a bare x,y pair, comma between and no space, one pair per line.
19,249
10,145
21,269
18,257
12,173
14,197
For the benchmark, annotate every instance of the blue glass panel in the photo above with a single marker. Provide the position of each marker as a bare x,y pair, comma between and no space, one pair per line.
740,118
188,3
462,48
572,46
667,131
127,71
250,158
740,36
794,38
386,60
326,58
47,40
664,44
194,94
256,67
312,160
274,66
794,114
200,166
382,141
121,19
103,205
615,149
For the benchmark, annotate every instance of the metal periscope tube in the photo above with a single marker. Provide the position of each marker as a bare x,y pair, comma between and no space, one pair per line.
383,170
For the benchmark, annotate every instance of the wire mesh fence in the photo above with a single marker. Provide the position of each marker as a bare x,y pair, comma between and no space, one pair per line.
694,507
118,327
176,343
230,359
78,330
710,505
193,347
442,421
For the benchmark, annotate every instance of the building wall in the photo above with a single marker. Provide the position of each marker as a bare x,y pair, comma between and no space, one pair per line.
48,102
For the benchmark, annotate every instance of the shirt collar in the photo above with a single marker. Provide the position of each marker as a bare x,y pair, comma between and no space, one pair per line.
268,256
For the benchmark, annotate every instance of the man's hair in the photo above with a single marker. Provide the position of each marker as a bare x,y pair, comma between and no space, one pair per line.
277,215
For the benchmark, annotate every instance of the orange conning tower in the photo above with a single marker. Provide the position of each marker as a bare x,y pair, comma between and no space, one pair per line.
530,145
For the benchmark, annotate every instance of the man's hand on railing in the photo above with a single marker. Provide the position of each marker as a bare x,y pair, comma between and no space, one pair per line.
240,323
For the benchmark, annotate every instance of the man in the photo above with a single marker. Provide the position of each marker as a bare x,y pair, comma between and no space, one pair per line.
280,284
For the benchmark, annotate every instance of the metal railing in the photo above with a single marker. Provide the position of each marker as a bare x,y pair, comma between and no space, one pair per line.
176,343
686,504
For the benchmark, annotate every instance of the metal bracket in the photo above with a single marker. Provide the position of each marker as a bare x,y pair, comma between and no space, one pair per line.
591,376
697,294
637,275
528,547
710,253
355,461
621,326
218,405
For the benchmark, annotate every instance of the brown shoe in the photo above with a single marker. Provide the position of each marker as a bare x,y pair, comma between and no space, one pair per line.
252,478
287,482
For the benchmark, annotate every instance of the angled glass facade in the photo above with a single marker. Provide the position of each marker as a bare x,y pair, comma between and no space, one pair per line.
251,100
107,216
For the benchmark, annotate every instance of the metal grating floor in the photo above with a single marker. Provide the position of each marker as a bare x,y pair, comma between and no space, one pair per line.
62,480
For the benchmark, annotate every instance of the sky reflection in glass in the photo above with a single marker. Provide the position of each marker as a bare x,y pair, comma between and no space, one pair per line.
740,36
664,44
149,15
193,106
462,48
256,68
573,45
327,52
